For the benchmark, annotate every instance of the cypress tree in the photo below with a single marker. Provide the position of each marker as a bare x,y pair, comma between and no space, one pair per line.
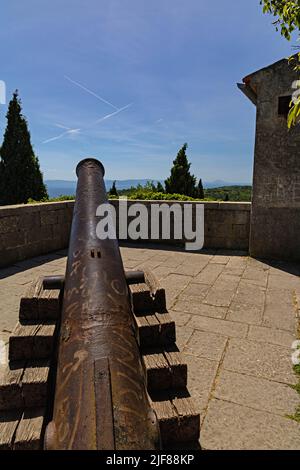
20,174
160,188
200,190
181,181
113,190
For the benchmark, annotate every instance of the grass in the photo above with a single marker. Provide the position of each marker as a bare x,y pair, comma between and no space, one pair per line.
296,415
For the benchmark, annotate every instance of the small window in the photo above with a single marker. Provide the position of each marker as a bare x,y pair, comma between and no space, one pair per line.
284,105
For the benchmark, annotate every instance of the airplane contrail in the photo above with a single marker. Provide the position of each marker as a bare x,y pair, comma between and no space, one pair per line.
90,92
112,114
68,130
57,137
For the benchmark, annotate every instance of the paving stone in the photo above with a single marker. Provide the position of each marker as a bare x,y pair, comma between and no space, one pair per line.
284,281
173,261
174,285
148,264
257,393
161,272
195,290
236,266
180,318
248,293
194,306
201,376
183,334
222,327
220,259
223,290
258,264
256,276
206,345
280,310
209,274
236,427
271,335
259,359
191,269
245,313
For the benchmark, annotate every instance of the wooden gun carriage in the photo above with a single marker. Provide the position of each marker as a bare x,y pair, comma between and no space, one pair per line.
93,361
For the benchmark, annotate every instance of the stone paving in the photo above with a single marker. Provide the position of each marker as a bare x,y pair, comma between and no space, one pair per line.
236,320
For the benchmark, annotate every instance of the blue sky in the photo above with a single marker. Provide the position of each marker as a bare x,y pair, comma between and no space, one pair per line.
174,64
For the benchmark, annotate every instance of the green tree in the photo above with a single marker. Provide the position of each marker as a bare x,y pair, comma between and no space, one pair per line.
200,189
113,190
181,181
287,14
20,175
160,188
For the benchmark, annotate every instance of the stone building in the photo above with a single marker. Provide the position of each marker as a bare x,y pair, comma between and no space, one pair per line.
275,216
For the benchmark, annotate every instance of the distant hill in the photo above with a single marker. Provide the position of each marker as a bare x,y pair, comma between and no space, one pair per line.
221,184
232,193
68,188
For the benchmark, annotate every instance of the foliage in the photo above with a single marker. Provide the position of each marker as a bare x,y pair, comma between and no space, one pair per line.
200,189
287,14
230,193
160,188
156,196
296,415
20,175
51,199
113,190
181,181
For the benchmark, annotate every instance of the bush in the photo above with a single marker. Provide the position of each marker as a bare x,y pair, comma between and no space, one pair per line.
51,199
155,196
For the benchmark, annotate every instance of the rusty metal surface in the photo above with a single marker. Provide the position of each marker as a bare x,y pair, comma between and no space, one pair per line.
53,282
58,282
97,325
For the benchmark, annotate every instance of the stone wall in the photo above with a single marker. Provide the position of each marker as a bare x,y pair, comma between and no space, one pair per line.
275,219
35,229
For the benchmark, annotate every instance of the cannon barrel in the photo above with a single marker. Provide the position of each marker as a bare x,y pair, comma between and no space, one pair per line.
100,399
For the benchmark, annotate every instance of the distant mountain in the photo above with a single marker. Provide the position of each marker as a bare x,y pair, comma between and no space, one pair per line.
221,183
68,188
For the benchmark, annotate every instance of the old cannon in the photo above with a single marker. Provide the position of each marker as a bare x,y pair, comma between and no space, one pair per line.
107,373
100,397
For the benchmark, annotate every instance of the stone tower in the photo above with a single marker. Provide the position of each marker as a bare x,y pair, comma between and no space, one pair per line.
275,213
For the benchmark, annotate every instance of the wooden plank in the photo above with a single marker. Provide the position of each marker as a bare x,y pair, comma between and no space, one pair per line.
40,304
49,304
165,368
144,299
31,341
22,386
29,302
167,330
10,386
179,421
158,374
9,421
30,430
155,330
35,384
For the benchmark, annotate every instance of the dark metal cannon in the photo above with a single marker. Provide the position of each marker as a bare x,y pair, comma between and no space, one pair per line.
100,398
